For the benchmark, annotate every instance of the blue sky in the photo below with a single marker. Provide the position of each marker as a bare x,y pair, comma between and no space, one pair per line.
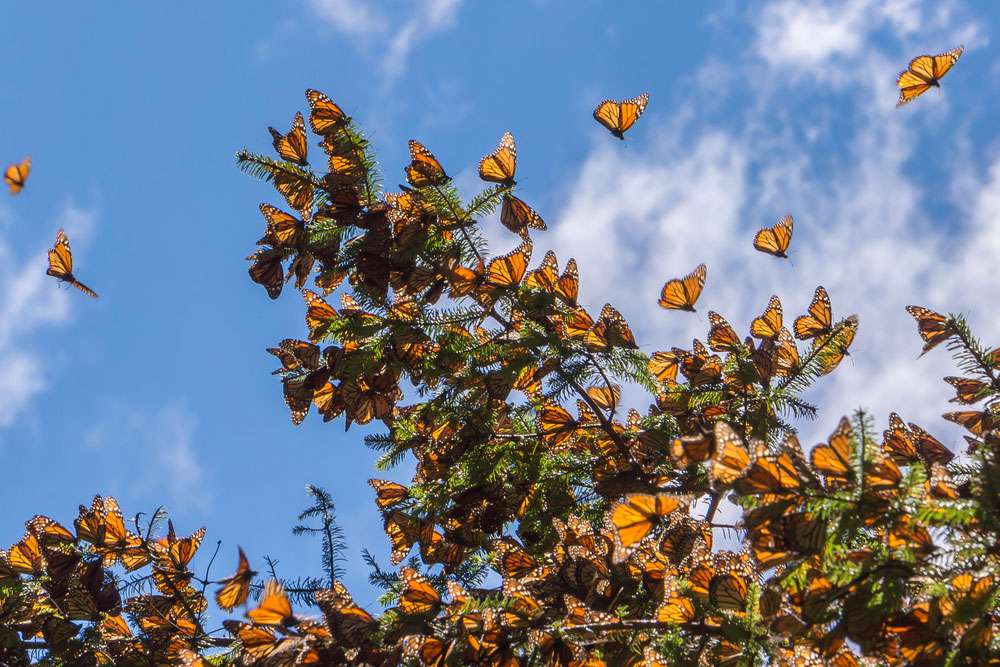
159,392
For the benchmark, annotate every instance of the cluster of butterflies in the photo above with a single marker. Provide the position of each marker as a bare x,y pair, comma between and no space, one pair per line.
73,578
60,256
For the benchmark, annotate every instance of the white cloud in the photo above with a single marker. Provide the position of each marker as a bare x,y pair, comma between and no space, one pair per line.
634,218
383,31
30,301
349,16
155,449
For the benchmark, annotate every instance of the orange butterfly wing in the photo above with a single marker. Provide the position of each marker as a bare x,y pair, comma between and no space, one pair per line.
618,117
292,146
325,116
500,165
775,240
682,293
16,175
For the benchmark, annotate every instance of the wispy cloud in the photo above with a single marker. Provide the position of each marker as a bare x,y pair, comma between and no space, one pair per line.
155,450
393,40
698,189
30,301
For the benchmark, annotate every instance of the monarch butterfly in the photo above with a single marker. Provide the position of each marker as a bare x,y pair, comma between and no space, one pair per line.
611,330
728,592
618,117
418,597
388,493
730,457
897,441
774,240
61,264
424,169
295,354
512,560
819,319
967,390
283,230
923,72
931,449
515,215
267,270
768,325
16,175
343,615
698,366
664,365
975,421
635,518
682,293
605,397
48,530
836,347
423,650
299,392
500,165
508,270
319,315
835,459
933,327
26,556
292,146
721,337
523,607
578,613
674,608
274,607
325,116
236,588
258,643
556,424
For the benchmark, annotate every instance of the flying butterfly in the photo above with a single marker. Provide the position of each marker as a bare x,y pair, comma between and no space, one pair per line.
424,169
16,175
500,165
923,73
682,293
274,607
721,337
618,117
325,116
933,327
292,146
61,264
236,588
774,240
